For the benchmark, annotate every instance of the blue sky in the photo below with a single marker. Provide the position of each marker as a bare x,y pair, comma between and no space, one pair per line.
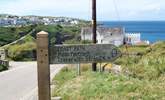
106,9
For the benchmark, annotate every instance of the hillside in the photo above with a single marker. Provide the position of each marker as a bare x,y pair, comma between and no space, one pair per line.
142,77
22,39
10,34
147,64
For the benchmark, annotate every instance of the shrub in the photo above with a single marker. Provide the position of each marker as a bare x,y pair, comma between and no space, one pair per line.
2,68
22,52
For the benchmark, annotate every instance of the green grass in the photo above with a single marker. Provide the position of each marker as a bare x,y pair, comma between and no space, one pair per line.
22,50
142,78
105,86
149,65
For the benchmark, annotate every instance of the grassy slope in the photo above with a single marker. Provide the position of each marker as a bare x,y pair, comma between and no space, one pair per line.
10,34
57,33
19,51
142,78
23,50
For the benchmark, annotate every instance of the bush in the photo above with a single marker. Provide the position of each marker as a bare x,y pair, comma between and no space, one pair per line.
10,34
21,52
2,68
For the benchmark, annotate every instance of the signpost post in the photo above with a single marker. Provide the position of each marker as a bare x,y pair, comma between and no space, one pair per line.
43,66
67,54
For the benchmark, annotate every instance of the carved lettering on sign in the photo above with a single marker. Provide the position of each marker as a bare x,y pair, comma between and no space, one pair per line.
83,53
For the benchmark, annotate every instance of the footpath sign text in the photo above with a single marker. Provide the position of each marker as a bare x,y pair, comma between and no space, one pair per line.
92,53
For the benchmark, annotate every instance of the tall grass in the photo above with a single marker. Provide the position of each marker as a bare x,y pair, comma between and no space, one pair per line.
143,78
106,86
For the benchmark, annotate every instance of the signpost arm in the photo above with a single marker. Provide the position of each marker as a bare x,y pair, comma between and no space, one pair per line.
43,66
94,28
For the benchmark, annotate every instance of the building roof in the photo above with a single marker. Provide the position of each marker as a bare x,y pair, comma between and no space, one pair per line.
104,30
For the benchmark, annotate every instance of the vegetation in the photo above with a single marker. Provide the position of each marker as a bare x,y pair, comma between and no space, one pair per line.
2,68
59,34
143,78
10,34
25,49
147,64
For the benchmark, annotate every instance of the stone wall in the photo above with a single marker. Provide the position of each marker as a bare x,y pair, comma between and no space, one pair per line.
2,54
4,62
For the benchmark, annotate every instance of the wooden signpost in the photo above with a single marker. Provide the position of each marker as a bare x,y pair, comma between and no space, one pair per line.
67,54
43,66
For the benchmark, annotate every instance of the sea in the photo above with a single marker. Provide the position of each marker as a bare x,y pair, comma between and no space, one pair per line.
152,31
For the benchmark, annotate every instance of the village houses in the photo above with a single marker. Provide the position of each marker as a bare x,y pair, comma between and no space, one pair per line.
105,35
115,35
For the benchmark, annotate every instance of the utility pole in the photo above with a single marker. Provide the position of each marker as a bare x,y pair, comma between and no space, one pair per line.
94,28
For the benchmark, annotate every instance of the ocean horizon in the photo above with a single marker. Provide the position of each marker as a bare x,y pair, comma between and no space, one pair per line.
152,31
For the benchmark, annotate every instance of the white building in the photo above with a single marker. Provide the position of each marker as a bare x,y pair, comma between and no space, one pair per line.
105,35
132,38
74,22
147,42
46,19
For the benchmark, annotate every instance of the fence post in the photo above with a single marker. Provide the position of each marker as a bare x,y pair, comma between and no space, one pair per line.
43,68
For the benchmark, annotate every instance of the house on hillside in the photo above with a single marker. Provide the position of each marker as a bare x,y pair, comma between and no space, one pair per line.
105,35
132,38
